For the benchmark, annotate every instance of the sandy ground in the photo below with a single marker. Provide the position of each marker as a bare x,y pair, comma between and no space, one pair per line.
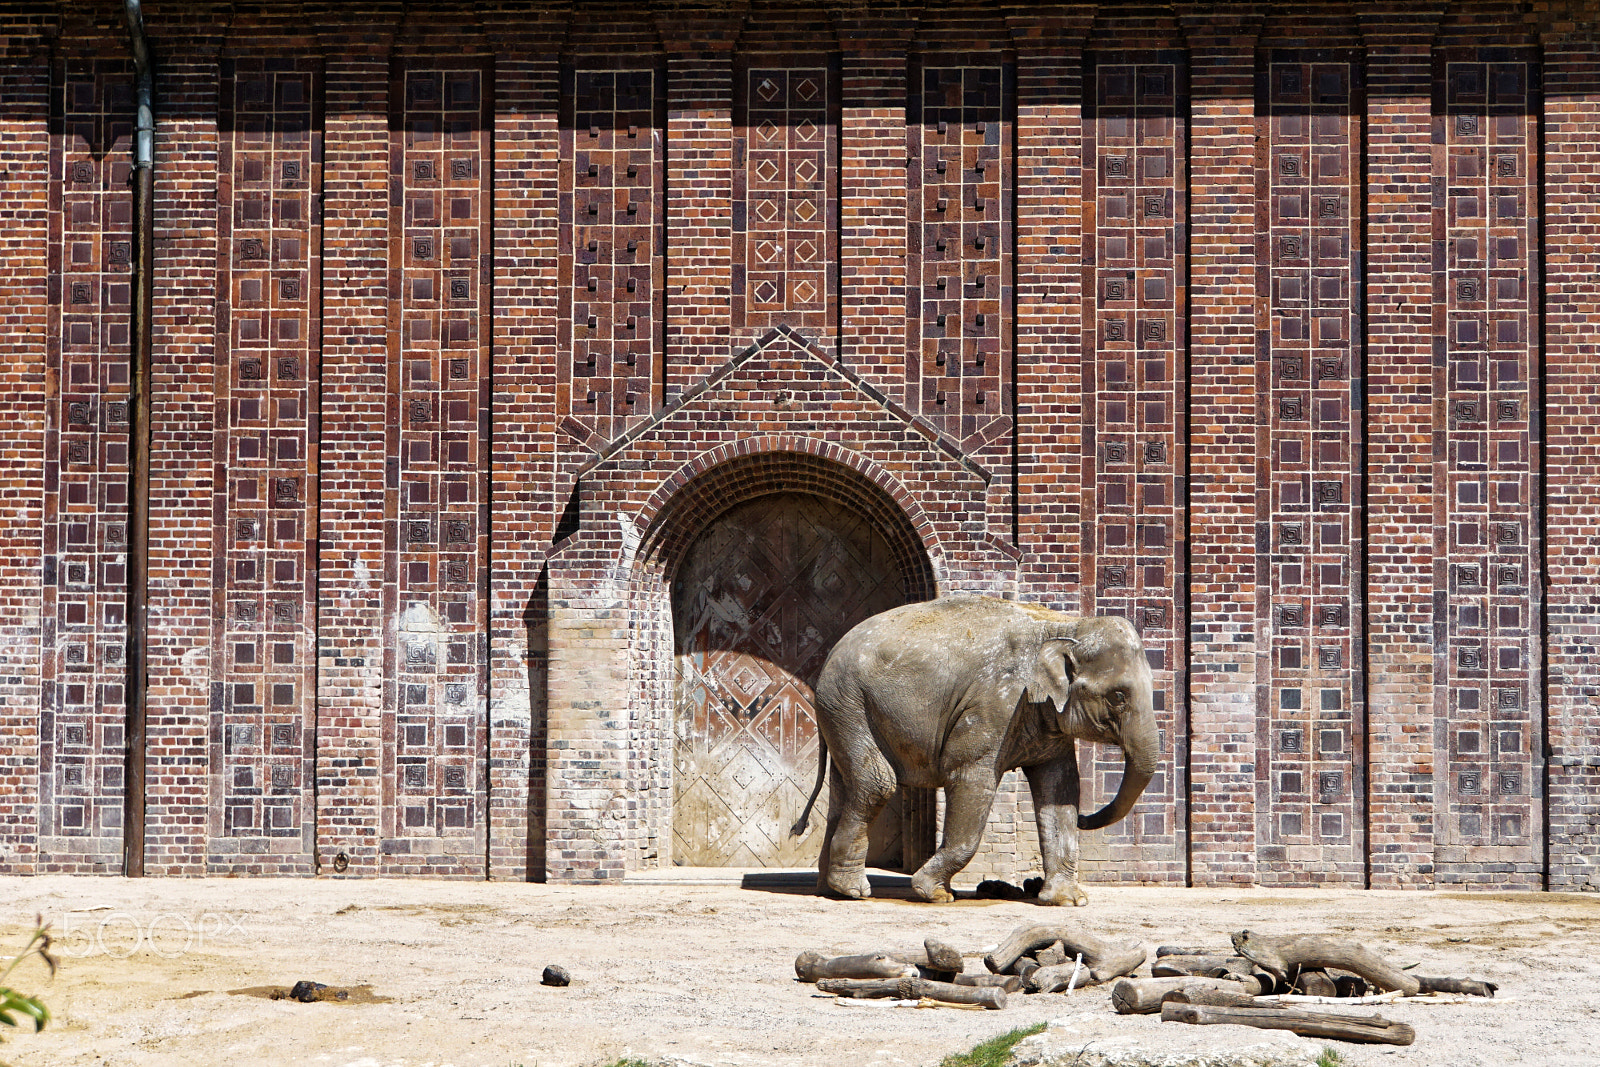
169,972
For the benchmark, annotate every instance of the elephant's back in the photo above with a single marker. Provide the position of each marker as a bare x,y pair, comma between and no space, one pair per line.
920,641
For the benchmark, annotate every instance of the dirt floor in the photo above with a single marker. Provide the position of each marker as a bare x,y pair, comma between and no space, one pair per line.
176,972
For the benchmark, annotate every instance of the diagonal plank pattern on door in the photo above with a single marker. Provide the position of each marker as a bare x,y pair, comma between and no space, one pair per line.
758,602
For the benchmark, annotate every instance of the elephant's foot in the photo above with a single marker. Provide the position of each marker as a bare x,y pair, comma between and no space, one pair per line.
1062,891
931,889
850,884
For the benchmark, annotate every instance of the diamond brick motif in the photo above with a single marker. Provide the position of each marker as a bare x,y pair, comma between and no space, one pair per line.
766,292
805,210
768,130
768,89
806,130
805,292
768,251
766,210
805,171
806,90
766,170
805,251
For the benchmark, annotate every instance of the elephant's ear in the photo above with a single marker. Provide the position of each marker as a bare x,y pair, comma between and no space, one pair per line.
1053,672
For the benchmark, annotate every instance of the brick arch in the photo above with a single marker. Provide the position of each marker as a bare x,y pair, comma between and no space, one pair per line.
731,474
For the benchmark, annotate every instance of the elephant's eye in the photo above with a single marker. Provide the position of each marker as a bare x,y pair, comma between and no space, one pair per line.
1117,698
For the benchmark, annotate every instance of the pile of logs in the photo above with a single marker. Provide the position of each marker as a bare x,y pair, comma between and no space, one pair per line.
1262,982
1194,986
1033,959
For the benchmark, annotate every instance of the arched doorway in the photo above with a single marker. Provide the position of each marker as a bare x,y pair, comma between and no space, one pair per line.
758,600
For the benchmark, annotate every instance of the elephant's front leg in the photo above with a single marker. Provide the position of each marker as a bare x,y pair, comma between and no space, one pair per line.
1055,806
967,800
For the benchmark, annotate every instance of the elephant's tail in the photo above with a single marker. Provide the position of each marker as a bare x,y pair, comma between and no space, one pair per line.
802,823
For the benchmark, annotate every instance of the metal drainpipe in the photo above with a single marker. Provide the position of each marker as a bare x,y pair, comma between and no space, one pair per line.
143,181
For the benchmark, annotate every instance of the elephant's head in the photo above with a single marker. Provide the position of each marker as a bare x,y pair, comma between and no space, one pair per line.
1095,673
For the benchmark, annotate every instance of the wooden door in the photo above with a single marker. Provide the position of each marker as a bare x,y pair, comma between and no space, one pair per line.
758,603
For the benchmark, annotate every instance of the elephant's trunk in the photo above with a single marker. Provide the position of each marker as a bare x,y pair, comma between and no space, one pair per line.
1139,752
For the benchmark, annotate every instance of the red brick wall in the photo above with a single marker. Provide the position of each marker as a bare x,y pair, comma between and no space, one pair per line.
1249,329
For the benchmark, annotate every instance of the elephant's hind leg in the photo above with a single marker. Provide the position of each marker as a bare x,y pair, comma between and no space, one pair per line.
864,786
966,812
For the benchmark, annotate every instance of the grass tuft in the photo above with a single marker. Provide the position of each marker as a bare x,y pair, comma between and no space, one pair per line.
993,1052
1329,1057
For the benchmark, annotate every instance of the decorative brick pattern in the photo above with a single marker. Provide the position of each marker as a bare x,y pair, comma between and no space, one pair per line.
434,727
611,243
787,219
1486,285
961,245
1311,730
453,362
264,607
1134,318
83,713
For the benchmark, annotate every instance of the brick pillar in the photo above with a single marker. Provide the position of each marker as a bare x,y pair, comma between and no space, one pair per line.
1049,300
182,420
699,197
872,197
1401,339
1572,457
25,160
1222,444
356,429
589,698
523,491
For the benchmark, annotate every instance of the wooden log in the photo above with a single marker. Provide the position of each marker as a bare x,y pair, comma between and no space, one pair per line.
1470,986
1282,956
1214,998
1104,959
1175,966
1142,996
943,957
1372,1029
1180,950
811,965
915,989
1009,982
1051,955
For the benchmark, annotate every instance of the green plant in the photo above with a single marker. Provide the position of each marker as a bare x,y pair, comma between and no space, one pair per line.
993,1052
13,1003
1329,1057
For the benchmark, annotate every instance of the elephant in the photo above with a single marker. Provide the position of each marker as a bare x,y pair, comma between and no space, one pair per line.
953,693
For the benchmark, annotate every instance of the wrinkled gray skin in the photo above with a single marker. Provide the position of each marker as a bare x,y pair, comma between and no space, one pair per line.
955,692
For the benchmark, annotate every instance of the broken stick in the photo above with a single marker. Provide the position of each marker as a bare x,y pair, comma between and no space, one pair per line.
1469,986
1103,959
1368,1029
915,989
1283,956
